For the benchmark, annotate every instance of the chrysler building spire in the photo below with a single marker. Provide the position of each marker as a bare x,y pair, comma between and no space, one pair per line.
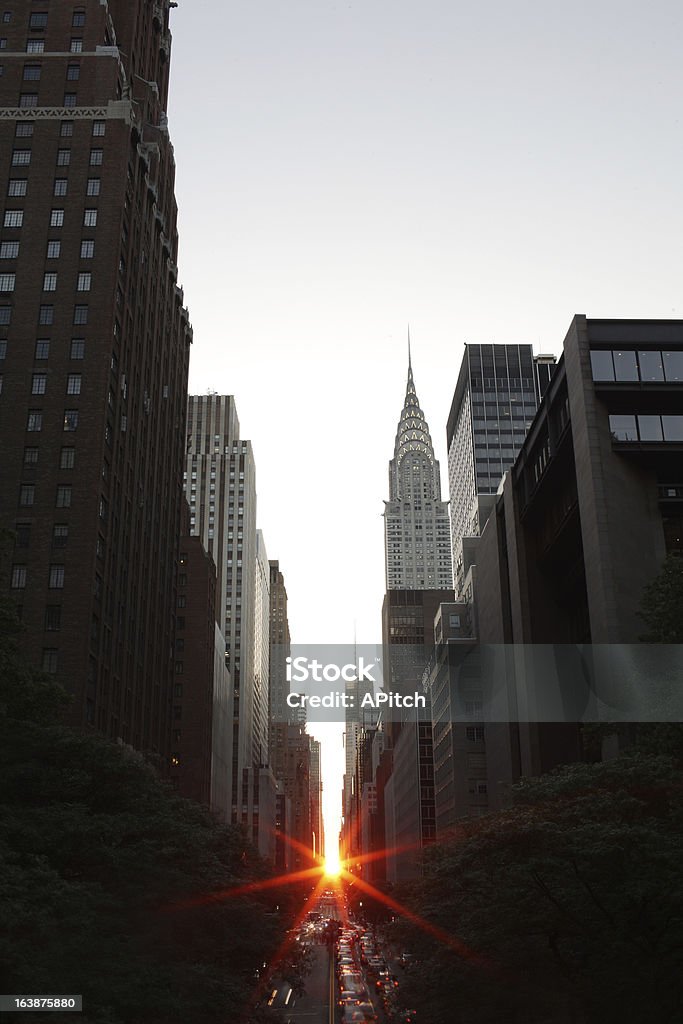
416,523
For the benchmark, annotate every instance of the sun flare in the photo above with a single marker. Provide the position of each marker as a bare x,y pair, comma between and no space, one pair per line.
332,863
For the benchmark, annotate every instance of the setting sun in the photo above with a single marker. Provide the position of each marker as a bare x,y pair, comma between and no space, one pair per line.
332,863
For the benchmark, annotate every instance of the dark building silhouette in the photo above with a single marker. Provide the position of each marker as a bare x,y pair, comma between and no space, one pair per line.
587,514
94,347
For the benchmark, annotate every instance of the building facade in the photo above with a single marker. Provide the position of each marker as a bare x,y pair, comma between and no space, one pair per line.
589,511
220,486
495,400
94,350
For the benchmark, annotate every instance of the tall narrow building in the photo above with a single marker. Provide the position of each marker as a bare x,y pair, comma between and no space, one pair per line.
498,391
220,484
416,526
94,349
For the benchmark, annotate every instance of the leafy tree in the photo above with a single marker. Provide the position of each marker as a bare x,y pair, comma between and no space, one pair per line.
568,907
662,604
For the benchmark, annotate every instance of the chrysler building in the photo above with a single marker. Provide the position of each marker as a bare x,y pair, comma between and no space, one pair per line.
417,539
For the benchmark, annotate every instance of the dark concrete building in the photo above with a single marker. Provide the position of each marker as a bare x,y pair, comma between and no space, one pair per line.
94,347
201,717
587,514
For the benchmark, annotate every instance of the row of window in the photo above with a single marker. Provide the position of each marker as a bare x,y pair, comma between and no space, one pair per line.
38,45
67,457
22,157
646,428
55,575
46,313
24,129
17,188
631,365
15,218
34,420
10,251
32,72
38,19
39,384
42,352
62,499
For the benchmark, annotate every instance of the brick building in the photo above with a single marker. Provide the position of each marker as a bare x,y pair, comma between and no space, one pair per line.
94,346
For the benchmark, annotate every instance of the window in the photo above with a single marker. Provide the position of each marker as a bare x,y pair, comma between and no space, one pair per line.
103,509
13,218
625,365
673,365
53,250
672,427
650,428
18,577
7,282
93,187
73,384
56,577
63,157
56,218
179,668
21,157
70,419
17,187
76,46
3,347
31,456
42,349
37,21
23,533
53,618
87,249
9,250
50,655
69,99
84,281
32,72
78,20
66,129
90,219
35,46
27,495
46,315
651,368
64,496
77,348
34,421
623,428
39,384
28,99
67,458
98,128
7,16
50,283
61,186
73,72
80,314
24,130
96,157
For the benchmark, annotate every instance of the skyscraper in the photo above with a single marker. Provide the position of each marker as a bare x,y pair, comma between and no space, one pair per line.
416,525
496,397
220,484
94,348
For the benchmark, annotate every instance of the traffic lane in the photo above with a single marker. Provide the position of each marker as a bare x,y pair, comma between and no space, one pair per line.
314,1006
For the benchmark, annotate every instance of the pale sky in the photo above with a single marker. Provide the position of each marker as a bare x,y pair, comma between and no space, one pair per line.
479,171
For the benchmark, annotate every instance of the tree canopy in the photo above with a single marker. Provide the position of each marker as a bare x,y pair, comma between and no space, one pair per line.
569,905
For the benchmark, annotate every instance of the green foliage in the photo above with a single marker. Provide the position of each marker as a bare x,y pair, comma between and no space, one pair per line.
662,604
569,906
